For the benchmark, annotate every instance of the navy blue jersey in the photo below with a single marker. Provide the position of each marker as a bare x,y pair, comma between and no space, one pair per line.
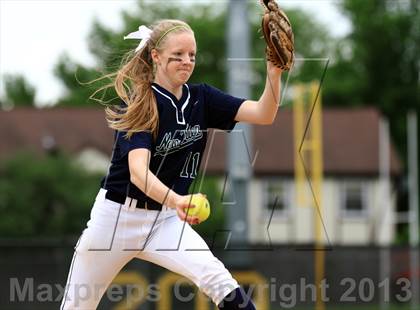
177,152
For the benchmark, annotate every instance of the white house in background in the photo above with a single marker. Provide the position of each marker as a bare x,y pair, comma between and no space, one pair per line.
358,205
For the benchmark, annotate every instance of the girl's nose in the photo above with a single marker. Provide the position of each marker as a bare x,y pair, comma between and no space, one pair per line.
187,60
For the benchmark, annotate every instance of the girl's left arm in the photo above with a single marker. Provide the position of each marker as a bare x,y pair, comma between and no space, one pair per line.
263,111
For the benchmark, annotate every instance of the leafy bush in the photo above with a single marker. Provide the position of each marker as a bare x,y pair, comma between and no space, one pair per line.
44,196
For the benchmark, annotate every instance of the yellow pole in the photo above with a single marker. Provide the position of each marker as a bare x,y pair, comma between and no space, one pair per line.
317,178
310,151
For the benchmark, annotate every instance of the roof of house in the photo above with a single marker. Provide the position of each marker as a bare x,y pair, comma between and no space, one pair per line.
350,138
71,129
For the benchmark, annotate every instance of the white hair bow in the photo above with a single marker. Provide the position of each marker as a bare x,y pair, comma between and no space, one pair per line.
142,34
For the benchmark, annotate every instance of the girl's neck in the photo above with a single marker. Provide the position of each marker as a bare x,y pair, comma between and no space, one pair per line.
175,90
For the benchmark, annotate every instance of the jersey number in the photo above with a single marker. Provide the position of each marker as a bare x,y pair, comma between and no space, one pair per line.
191,165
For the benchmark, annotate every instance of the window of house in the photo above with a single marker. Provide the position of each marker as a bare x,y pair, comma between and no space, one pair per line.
276,195
353,198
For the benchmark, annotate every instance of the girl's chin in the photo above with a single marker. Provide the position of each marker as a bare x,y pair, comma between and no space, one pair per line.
184,77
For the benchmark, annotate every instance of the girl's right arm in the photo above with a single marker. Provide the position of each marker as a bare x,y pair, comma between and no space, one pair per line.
145,180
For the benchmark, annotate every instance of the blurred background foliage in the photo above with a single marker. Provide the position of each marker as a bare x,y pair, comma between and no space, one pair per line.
18,91
376,64
44,195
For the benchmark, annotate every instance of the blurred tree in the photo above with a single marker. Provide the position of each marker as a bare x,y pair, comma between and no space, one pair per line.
378,63
44,196
18,92
74,77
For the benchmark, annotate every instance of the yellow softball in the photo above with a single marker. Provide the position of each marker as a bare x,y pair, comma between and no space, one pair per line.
202,207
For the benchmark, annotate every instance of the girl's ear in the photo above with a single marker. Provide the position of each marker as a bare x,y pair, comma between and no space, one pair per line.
155,56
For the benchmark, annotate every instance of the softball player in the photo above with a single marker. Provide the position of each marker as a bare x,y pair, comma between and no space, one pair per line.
160,136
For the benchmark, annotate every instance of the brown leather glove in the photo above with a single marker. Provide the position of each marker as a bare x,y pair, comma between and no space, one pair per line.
278,35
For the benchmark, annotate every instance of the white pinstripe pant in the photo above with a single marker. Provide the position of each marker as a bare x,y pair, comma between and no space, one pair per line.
117,233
